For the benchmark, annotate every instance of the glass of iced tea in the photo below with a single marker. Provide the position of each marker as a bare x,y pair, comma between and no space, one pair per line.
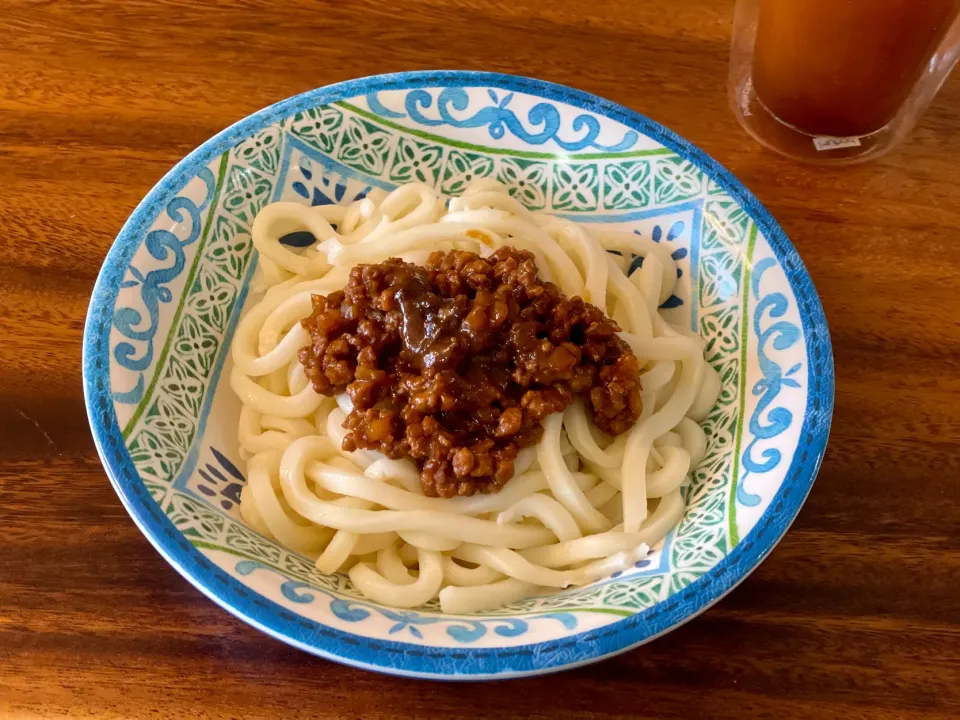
838,81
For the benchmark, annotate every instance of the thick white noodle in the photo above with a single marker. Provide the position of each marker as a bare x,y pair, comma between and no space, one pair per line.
291,532
462,600
457,574
392,568
560,479
545,509
406,595
580,435
694,440
581,505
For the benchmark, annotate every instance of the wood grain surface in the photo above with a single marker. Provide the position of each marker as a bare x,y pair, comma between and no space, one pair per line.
855,614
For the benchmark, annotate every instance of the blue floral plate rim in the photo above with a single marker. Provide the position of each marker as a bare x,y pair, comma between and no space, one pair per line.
455,663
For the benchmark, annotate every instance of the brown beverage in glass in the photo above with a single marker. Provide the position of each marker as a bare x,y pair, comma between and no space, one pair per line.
844,67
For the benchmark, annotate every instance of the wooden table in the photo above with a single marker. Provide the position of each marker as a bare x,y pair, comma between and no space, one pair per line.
855,615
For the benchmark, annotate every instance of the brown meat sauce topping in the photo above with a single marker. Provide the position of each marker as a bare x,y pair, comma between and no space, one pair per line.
456,364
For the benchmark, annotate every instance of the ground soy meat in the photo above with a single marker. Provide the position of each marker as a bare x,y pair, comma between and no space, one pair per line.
455,364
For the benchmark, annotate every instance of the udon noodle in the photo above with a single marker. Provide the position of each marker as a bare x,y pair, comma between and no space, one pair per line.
580,506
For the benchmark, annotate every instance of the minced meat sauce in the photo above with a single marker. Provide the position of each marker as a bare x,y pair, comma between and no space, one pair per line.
456,364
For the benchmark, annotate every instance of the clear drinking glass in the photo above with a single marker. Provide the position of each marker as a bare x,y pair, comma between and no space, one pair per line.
838,81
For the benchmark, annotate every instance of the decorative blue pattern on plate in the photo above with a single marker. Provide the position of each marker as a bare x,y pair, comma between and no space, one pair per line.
498,119
170,292
462,630
164,247
782,335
